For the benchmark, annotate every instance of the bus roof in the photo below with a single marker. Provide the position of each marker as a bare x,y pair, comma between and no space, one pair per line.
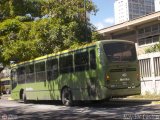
58,53
70,50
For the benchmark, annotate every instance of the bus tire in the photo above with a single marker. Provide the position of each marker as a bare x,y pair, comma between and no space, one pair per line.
66,97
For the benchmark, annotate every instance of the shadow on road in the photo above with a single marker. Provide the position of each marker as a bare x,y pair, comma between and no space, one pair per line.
81,110
98,104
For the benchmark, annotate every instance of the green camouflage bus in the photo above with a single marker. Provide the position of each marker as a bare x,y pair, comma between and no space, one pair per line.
97,71
5,85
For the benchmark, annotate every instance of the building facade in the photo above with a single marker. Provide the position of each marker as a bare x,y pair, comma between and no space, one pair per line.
126,10
145,32
157,5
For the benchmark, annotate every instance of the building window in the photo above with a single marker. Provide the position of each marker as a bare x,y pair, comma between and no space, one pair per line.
148,29
155,28
156,38
141,41
148,40
141,31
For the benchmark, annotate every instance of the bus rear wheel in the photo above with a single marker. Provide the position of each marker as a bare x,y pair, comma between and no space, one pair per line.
67,97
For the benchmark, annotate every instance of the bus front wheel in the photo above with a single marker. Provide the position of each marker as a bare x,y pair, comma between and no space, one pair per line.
67,97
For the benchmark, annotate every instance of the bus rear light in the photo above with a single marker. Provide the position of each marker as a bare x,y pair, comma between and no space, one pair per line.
107,77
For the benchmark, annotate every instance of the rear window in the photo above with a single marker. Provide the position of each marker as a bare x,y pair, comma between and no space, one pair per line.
120,52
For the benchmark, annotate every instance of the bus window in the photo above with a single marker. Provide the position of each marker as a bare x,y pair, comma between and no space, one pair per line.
66,64
21,75
14,78
52,69
40,72
81,61
30,77
93,59
120,52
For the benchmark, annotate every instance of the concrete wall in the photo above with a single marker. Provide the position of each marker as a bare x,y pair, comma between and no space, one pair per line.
150,72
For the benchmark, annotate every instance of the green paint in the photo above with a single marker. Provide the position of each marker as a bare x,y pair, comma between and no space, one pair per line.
88,84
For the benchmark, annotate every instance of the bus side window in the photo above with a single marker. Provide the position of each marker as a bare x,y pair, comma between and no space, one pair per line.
66,64
21,75
52,69
81,61
30,76
93,64
40,72
14,78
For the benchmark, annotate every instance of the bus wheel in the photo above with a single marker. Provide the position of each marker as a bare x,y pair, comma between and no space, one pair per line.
67,97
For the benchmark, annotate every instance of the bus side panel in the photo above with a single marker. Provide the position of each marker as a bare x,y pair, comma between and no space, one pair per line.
43,91
16,92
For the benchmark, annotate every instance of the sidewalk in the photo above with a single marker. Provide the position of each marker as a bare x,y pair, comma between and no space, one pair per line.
147,97
154,99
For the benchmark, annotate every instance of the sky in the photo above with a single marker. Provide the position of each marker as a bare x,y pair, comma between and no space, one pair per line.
105,15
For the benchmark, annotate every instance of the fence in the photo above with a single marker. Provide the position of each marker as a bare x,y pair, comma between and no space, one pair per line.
150,72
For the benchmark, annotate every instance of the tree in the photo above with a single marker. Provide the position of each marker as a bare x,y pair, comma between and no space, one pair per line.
4,9
155,48
65,27
13,8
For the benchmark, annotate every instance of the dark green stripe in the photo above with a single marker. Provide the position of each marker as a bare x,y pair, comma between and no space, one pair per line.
123,70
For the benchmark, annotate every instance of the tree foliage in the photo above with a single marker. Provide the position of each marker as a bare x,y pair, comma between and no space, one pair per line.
23,38
13,8
155,48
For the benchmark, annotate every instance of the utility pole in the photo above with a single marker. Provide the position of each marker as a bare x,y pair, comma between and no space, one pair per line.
85,20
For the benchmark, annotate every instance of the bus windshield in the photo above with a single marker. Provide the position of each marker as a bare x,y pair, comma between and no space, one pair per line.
120,52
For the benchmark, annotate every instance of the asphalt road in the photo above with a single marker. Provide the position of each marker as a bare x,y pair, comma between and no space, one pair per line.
45,110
